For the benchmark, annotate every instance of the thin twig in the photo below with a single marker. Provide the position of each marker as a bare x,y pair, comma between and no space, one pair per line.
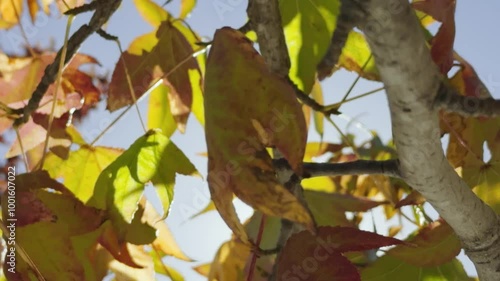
56,92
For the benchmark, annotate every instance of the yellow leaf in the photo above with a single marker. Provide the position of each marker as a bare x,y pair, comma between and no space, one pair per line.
151,12
186,7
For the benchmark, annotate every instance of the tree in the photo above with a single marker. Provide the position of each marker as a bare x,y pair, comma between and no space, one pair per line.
86,202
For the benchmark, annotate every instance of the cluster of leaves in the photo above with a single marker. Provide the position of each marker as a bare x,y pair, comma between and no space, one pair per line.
86,203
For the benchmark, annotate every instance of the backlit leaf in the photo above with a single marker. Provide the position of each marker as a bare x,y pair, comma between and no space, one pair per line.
248,108
316,255
82,168
186,8
164,54
356,54
435,244
153,13
308,27
151,158
390,268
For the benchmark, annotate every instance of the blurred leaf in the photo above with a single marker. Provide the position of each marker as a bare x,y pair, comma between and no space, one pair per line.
317,95
355,54
329,208
315,254
159,115
10,11
315,149
442,43
203,269
229,262
436,245
238,130
321,184
414,198
82,168
308,27
165,54
145,272
153,13
390,268
186,8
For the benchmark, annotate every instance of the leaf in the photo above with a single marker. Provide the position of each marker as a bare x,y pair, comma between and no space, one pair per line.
315,149
153,13
311,257
145,272
229,262
317,95
414,198
203,269
186,8
164,243
164,54
390,268
82,168
10,13
436,245
69,218
308,27
355,54
329,208
150,158
159,114
238,132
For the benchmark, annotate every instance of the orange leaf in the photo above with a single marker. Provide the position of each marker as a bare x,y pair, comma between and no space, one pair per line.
249,108
442,44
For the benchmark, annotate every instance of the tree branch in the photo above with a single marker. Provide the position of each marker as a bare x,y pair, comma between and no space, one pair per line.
412,81
103,11
450,100
360,167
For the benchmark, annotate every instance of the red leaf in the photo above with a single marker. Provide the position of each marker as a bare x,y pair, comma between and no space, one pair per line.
442,43
309,257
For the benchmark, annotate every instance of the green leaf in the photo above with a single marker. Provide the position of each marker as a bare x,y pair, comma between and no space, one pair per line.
388,268
319,118
356,54
436,244
151,12
186,7
120,186
308,27
159,114
81,169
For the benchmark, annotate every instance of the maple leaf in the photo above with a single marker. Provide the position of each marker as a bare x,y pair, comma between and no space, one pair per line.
162,54
320,257
248,108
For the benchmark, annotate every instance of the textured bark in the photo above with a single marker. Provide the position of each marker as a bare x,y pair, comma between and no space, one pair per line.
412,81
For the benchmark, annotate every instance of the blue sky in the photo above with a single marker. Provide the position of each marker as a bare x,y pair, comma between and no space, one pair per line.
477,40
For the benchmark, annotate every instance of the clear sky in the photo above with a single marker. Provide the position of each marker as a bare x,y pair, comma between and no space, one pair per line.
477,40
